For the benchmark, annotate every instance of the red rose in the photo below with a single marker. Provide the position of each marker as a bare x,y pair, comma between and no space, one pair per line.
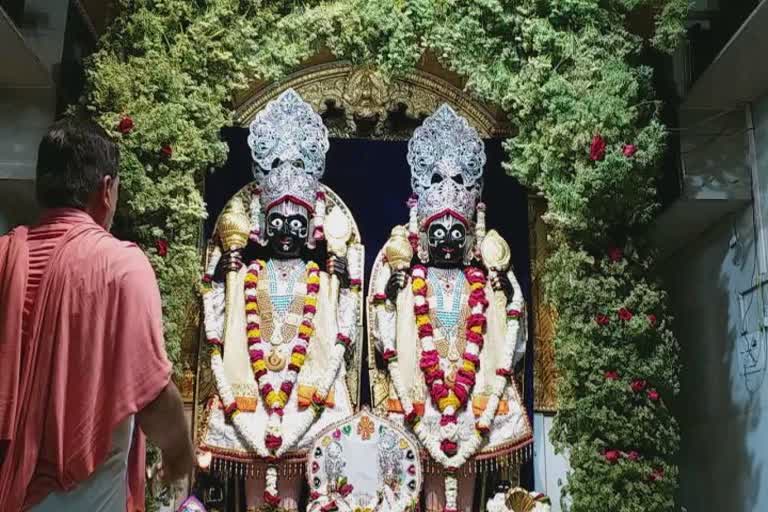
273,442
314,495
612,375
615,254
449,447
633,456
638,385
657,475
602,320
125,125
653,395
162,248
625,314
629,150
597,149
652,320
346,490
166,151
612,456
273,500
329,507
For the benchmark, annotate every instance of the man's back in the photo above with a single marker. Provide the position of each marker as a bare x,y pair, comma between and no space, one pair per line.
83,369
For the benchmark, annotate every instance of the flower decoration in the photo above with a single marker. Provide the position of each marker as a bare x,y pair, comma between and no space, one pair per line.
602,320
597,148
166,151
612,456
612,375
629,150
450,399
638,385
615,254
125,126
652,320
633,456
365,428
653,395
161,246
625,314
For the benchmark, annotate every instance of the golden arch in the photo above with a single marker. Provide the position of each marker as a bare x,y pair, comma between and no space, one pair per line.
363,94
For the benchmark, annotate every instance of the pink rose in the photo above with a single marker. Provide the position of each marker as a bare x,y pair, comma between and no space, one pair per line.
629,150
612,456
638,385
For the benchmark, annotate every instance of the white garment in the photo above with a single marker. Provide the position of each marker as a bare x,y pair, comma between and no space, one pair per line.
106,489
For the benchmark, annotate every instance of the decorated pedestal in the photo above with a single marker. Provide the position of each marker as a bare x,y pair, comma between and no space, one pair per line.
364,464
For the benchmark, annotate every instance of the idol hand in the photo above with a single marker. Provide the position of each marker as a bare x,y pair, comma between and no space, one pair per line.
339,266
500,282
232,261
396,283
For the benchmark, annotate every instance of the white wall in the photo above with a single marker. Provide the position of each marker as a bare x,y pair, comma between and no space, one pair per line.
720,311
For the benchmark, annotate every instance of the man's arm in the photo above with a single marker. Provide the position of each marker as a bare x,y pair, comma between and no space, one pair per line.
164,423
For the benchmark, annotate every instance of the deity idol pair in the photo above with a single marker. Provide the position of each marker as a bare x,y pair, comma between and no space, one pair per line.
284,323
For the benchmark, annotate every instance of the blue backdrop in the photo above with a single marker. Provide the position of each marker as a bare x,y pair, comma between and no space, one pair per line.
373,179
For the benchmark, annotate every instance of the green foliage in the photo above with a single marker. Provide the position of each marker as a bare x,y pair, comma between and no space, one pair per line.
564,70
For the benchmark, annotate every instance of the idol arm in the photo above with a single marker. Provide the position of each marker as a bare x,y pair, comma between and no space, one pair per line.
516,334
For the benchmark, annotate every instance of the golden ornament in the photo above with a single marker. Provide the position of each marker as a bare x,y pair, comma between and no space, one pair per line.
398,249
275,362
520,500
233,228
495,252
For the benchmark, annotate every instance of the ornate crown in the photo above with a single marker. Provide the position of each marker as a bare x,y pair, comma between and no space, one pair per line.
446,156
288,142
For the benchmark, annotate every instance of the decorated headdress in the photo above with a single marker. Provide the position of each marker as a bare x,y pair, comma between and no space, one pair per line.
446,156
288,142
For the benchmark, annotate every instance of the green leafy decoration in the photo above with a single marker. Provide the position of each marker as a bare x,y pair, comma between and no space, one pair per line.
565,71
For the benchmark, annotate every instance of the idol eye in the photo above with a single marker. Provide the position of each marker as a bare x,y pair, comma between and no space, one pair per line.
276,222
296,224
456,234
438,233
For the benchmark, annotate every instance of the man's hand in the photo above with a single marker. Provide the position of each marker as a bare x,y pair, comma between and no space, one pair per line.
396,283
164,423
339,267
500,282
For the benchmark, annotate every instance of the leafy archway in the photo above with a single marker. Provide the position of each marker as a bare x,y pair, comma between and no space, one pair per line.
588,139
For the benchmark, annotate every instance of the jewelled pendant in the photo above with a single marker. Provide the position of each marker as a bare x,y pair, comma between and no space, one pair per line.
275,362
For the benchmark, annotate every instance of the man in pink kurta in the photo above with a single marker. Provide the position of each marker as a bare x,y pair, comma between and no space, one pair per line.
81,344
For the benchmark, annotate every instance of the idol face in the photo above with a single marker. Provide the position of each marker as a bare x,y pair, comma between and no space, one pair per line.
447,238
287,227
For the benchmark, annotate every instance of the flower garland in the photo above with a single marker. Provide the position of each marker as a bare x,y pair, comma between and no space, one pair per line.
272,446
450,399
503,373
275,400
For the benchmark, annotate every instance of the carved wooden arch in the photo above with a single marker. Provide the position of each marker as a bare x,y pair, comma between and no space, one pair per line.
362,94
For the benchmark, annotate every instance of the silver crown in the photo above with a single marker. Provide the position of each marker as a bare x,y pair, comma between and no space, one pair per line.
446,156
288,142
